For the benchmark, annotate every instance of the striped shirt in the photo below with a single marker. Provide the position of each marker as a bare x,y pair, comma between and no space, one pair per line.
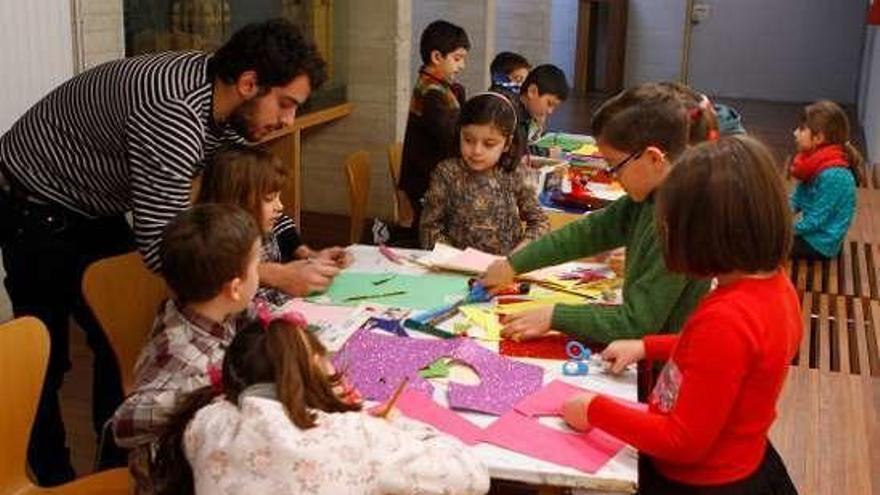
128,135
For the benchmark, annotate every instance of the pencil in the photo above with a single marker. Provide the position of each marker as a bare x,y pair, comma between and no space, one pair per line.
393,400
375,296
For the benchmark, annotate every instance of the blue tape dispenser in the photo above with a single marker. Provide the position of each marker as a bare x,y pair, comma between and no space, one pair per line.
577,364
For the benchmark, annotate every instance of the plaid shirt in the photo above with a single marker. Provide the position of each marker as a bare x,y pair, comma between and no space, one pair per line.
183,348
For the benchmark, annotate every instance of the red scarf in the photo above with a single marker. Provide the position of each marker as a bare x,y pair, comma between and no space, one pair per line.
808,164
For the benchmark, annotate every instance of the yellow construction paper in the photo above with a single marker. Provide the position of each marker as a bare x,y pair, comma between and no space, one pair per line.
484,318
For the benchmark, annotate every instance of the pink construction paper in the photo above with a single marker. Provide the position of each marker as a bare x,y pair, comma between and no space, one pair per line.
549,400
376,363
587,451
319,314
472,260
418,406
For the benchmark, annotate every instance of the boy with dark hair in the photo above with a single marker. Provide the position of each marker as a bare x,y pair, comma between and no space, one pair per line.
508,71
210,255
542,91
640,137
433,110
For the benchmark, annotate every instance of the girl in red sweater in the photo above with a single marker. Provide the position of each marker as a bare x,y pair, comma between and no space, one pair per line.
722,213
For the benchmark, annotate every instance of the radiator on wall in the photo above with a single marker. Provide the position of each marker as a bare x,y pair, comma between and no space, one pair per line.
36,53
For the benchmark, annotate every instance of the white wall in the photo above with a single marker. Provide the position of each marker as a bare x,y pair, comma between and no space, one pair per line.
563,36
36,53
869,104
654,41
782,50
523,26
377,57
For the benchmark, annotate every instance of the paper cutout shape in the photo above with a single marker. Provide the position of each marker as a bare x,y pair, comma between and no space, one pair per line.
484,318
419,291
416,405
587,451
376,363
437,369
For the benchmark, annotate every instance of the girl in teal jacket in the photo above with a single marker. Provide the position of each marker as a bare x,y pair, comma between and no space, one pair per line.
826,168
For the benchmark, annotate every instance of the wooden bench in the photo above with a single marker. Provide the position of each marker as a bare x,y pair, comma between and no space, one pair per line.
852,273
827,432
841,334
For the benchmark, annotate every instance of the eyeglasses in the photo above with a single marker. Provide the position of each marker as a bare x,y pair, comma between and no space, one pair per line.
614,170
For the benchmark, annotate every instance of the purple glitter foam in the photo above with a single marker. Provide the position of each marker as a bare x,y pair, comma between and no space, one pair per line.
377,363
503,381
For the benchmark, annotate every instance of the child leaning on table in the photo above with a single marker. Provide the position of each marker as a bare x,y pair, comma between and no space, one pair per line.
481,198
281,423
721,213
252,179
210,255
639,132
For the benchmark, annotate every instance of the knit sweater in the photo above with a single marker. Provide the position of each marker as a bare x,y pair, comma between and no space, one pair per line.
654,299
715,400
827,204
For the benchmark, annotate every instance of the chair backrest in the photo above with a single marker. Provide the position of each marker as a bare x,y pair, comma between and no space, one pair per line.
357,170
403,212
125,296
24,353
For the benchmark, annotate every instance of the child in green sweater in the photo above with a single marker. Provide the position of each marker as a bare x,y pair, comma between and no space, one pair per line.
639,132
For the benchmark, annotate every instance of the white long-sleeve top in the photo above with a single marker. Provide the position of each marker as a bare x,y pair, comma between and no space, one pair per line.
255,448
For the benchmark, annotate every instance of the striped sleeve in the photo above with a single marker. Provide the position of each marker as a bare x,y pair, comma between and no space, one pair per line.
287,236
164,148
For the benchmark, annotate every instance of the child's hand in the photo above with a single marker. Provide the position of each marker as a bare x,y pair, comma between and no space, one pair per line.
499,274
622,353
303,277
528,324
574,411
339,256
616,261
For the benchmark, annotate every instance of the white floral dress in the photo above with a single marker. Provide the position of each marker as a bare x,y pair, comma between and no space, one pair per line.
255,448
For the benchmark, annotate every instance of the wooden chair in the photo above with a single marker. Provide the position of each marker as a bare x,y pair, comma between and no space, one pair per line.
403,212
24,354
125,296
357,170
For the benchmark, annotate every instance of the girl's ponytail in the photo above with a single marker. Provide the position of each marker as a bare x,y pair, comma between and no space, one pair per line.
170,472
856,162
302,382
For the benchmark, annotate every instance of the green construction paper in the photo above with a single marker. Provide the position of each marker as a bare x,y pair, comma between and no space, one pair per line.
421,292
437,369
567,142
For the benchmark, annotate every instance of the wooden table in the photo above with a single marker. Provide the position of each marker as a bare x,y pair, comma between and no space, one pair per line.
619,475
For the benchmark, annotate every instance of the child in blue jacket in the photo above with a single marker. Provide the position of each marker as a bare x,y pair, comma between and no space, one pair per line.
826,168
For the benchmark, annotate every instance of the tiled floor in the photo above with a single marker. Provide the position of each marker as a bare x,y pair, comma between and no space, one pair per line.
771,122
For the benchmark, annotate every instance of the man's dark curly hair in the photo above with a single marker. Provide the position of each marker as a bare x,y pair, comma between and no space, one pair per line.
276,50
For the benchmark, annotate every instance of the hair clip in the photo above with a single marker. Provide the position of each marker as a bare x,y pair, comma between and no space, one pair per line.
215,376
695,114
265,316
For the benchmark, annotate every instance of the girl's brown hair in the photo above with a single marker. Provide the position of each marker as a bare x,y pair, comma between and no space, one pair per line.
280,352
243,176
826,117
723,208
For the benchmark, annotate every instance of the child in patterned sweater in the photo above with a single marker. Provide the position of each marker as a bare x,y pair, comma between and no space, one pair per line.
481,199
